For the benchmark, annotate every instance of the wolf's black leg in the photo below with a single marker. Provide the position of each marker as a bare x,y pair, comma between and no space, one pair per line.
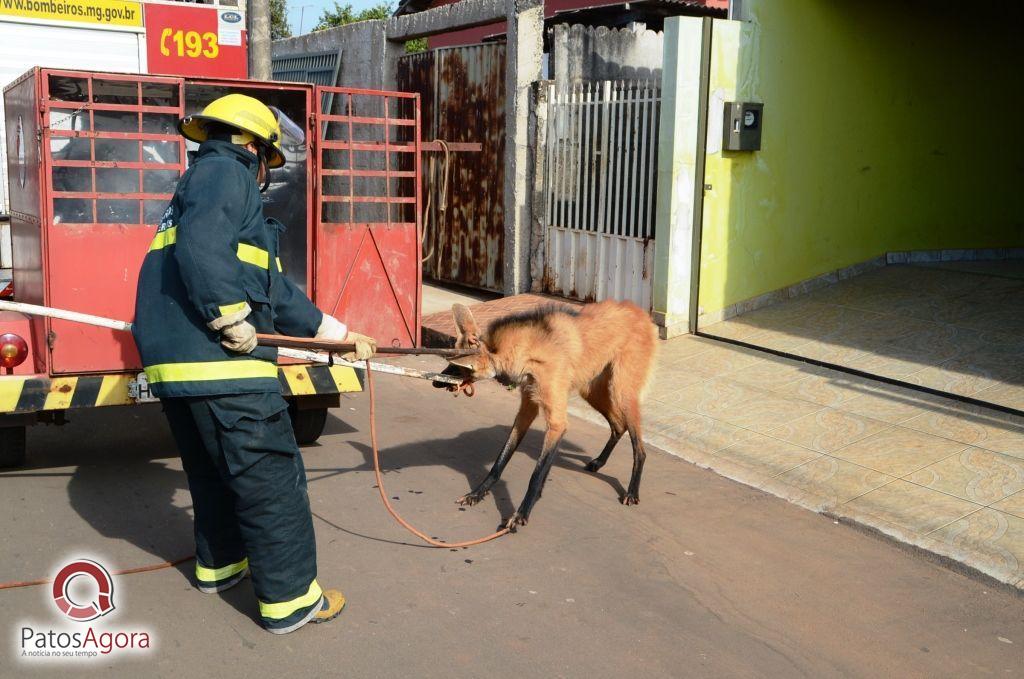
632,495
540,474
600,460
527,414
480,492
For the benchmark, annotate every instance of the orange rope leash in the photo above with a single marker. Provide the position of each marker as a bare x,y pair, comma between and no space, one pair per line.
380,487
383,494
125,571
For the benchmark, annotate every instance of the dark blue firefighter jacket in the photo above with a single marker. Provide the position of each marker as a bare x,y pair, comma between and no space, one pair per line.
213,253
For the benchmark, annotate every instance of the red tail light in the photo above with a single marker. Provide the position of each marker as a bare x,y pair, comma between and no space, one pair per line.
13,350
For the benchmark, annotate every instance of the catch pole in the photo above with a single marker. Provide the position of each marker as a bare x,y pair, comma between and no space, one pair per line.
286,345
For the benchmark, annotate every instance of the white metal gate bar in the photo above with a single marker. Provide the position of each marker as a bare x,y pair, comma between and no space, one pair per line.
601,151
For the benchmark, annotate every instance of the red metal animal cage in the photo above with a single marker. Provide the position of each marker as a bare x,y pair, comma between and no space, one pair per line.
109,156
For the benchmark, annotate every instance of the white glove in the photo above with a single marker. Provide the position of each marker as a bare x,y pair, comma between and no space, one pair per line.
239,337
331,329
365,347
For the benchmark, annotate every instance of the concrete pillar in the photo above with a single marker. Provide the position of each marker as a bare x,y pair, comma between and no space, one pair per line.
682,130
538,245
524,54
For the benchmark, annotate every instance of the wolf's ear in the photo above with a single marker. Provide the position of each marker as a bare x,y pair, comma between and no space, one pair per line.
463,362
466,325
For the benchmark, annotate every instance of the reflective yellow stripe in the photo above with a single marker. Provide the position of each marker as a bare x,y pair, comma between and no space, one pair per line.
250,254
286,608
279,267
164,238
210,370
231,308
205,574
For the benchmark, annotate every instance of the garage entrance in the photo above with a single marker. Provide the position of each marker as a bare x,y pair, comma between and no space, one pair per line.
956,327
882,231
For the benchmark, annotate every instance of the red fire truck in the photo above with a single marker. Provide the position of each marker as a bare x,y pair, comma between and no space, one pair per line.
93,159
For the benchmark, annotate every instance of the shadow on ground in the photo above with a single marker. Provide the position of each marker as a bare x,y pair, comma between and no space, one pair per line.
129,487
471,455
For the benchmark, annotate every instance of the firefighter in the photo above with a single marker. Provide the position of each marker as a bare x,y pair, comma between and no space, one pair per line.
210,281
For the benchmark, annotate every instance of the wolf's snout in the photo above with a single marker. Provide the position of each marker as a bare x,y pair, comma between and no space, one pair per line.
450,371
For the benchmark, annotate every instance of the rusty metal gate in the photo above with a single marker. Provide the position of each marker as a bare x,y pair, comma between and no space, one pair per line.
600,178
462,94
368,211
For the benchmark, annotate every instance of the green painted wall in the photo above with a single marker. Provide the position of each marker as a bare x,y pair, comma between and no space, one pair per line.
887,126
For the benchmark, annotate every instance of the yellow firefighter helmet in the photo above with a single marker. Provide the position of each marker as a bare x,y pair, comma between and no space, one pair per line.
256,121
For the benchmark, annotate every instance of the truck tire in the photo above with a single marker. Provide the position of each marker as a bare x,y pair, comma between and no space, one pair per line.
12,446
308,424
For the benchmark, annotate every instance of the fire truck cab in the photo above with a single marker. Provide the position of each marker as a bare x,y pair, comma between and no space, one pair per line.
93,159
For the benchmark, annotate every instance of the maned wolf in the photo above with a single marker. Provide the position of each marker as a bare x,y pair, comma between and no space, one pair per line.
603,351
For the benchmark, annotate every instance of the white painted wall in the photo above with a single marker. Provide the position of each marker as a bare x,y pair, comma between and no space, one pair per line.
26,45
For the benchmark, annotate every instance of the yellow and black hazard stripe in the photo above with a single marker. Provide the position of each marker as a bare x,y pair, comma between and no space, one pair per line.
30,394
311,380
27,394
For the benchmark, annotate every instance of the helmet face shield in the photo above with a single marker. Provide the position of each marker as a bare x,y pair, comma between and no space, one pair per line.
291,133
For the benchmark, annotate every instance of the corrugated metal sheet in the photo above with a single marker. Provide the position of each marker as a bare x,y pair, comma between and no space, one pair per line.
462,94
595,266
319,68
598,53
28,45
600,178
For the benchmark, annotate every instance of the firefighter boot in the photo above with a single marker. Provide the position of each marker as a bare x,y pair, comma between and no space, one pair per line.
334,601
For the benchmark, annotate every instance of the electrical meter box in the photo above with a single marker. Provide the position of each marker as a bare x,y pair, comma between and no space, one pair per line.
742,126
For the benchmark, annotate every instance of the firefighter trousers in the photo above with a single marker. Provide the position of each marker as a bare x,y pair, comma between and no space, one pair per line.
249,499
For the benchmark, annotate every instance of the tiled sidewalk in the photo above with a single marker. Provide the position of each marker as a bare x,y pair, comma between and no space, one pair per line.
928,471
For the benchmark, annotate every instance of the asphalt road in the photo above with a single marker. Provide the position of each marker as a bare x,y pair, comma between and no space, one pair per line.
704,578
